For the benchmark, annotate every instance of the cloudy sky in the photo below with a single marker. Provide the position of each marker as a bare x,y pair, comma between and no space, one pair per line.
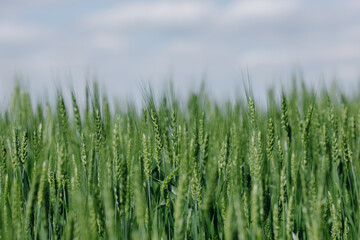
125,44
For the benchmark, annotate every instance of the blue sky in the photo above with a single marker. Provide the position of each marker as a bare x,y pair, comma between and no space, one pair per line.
52,43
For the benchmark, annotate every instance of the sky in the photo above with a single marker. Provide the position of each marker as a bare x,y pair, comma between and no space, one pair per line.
50,44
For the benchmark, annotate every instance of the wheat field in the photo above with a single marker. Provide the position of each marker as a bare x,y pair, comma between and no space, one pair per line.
181,168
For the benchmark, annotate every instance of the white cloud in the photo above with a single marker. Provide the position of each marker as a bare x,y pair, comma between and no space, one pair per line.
13,33
189,14
156,14
258,10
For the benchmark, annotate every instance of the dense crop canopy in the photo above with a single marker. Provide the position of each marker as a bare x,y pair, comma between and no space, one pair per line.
198,170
